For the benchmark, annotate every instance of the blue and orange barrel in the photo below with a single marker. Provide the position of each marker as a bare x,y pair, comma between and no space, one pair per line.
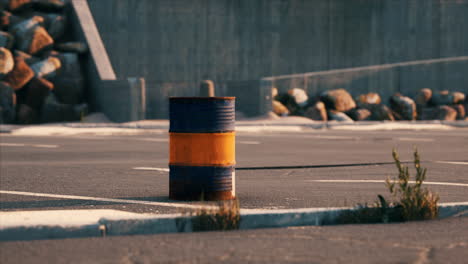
202,148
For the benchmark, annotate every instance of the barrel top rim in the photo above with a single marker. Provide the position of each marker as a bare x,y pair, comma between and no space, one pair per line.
201,98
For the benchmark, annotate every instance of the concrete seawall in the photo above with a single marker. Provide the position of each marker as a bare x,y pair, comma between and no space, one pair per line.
183,40
173,44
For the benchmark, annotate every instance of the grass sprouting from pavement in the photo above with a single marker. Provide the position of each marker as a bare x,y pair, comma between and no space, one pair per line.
225,217
417,203
411,201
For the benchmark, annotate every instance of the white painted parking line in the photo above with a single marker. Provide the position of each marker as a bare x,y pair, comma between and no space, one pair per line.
154,139
151,169
249,142
28,145
45,146
11,145
415,139
453,162
112,200
383,181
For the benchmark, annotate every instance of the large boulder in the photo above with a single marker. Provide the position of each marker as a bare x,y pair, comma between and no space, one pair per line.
379,112
369,98
300,96
7,62
7,104
339,100
30,60
6,40
27,25
8,20
47,68
20,75
458,97
317,112
36,91
54,111
26,115
443,112
447,98
69,91
37,42
49,5
55,24
359,114
70,66
18,5
289,101
423,97
4,19
280,109
69,83
31,37
461,111
403,106
338,116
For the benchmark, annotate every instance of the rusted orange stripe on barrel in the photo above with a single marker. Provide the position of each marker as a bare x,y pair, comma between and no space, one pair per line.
202,149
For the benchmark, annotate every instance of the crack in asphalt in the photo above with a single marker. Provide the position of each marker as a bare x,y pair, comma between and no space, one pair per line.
318,166
336,165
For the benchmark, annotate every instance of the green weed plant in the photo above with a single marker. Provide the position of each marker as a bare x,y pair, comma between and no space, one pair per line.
411,202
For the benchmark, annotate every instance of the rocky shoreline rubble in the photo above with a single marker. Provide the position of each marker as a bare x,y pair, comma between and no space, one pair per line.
339,105
41,79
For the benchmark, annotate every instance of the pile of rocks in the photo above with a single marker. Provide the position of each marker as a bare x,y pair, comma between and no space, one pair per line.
40,75
339,105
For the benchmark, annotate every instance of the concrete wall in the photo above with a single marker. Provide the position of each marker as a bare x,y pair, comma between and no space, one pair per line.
174,44
121,99
183,40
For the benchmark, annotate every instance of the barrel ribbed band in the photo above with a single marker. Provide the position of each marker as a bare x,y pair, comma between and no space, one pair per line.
201,183
201,114
202,149
202,178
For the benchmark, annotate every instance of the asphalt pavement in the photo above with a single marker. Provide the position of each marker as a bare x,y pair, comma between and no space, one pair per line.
275,170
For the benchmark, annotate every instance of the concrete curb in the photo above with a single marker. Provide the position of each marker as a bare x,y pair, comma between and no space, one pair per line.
162,126
139,224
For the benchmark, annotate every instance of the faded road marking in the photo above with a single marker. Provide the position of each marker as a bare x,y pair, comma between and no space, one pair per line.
154,139
249,142
28,145
151,169
383,181
416,139
453,162
12,145
111,200
44,146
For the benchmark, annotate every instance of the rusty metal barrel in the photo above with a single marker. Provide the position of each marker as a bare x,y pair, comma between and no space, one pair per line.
202,148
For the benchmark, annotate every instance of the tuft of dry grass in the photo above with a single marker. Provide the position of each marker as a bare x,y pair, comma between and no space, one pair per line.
225,217
417,203
412,202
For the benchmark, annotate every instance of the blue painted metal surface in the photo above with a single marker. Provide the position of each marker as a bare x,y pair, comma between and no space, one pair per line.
201,183
192,179
202,114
